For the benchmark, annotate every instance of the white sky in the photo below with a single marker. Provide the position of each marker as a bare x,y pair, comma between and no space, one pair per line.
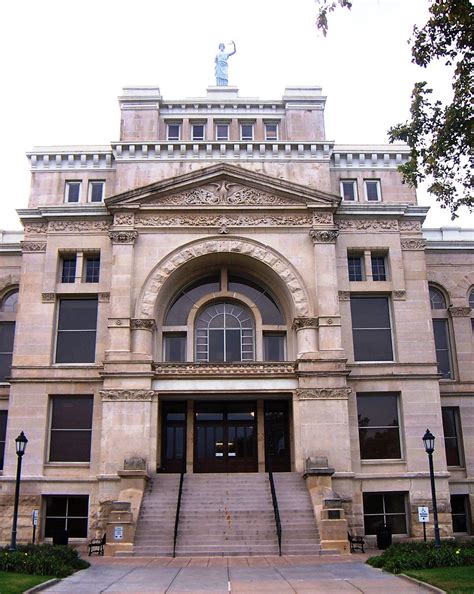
65,63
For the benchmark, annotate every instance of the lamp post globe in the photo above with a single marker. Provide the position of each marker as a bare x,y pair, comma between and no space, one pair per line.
20,444
428,442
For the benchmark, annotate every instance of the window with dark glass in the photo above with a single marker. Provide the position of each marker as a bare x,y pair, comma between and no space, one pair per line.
385,509
180,307
372,190
378,268
96,191
198,131
379,430
371,329
452,435
68,268
66,514
349,190
246,132
77,324
274,346
174,346
7,338
174,131
271,131
71,428
263,299
92,268
355,267
471,299
222,131
460,515
437,300
72,191
443,351
3,435
9,303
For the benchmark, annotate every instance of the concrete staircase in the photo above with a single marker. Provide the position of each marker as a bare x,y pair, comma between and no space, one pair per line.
227,514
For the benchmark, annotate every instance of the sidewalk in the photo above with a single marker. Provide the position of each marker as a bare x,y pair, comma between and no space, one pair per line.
223,575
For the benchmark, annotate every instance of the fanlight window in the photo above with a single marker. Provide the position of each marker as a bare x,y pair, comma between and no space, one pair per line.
225,332
9,303
471,299
437,299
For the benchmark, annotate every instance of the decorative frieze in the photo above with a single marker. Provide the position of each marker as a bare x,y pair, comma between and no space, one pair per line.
322,393
48,297
303,323
344,295
142,324
410,226
127,395
322,218
77,226
33,246
366,225
459,312
123,237
38,228
413,244
104,297
223,221
226,369
124,218
399,295
324,235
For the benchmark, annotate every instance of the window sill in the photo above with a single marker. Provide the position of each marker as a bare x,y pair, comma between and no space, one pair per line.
383,461
67,464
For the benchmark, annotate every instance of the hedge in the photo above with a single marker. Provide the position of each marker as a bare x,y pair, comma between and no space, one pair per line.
45,559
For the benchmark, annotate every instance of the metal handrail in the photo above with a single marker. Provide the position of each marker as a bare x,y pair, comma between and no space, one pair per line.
178,509
276,511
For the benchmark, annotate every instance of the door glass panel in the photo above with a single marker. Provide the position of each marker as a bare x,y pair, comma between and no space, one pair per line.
231,442
233,345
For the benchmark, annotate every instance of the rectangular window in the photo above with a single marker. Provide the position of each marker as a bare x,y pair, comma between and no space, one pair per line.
443,350
77,324
246,132
71,428
222,131
174,347
198,131
378,268
460,514
372,190
274,346
68,268
271,131
349,190
379,431
385,508
7,337
452,435
3,435
66,514
356,268
174,132
371,329
92,268
96,191
72,191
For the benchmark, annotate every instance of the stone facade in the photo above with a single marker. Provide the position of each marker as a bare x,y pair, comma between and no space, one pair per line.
178,208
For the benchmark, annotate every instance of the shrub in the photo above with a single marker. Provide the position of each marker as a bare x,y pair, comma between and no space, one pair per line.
45,559
420,555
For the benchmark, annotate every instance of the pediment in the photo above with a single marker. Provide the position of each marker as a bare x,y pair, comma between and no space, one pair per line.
222,186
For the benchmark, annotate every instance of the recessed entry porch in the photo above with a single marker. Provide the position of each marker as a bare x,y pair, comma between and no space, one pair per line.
226,433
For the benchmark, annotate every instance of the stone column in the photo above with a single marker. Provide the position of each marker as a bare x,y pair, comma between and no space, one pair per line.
329,317
306,337
120,293
142,337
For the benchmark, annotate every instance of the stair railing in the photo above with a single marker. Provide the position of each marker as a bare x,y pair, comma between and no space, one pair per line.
178,509
276,511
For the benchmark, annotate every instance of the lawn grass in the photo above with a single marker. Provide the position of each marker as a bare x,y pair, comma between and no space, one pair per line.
16,583
454,580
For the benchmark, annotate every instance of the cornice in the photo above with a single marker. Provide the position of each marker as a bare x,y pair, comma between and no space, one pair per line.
225,369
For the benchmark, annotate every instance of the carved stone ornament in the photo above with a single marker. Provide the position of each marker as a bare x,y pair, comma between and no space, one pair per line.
48,297
123,218
366,225
400,295
38,228
254,368
414,226
78,226
145,324
344,295
104,297
33,246
303,323
322,218
223,221
134,464
413,244
127,395
460,312
329,321
223,193
324,236
249,248
322,393
123,236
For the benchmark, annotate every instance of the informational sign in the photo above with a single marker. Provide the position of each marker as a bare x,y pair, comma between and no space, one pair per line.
35,517
423,515
118,533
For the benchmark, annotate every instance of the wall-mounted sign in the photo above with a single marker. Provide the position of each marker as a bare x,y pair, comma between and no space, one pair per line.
423,514
35,517
118,533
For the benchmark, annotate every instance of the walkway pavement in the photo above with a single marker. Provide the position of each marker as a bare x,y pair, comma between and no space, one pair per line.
236,575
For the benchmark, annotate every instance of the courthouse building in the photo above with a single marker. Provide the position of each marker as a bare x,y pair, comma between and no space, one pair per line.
224,290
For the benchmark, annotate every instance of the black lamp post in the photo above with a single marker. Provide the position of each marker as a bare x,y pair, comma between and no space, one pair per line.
428,441
20,443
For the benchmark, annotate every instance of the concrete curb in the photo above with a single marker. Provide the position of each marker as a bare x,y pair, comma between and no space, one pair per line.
420,583
42,586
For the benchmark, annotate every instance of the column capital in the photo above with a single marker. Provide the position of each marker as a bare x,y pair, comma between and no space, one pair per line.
123,237
324,235
305,322
142,324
